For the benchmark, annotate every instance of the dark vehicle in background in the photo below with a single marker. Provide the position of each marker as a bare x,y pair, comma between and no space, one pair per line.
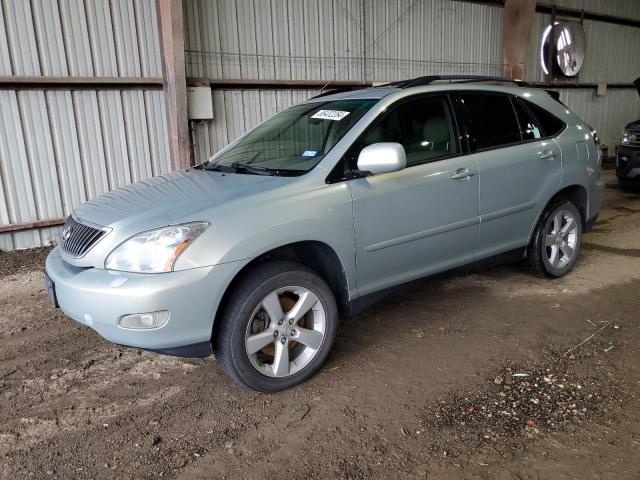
628,155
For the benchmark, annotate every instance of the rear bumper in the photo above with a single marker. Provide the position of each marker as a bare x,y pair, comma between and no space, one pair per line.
99,298
596,196
628,163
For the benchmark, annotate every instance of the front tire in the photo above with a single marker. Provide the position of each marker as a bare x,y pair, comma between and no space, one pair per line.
277,327
556,241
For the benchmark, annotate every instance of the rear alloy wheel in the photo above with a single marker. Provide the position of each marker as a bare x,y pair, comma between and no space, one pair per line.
556,241
277,328
561,239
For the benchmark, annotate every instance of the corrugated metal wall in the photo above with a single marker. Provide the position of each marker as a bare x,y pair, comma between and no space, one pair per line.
611,58
328,40
114,38
608,114
339,39
59,148
387,40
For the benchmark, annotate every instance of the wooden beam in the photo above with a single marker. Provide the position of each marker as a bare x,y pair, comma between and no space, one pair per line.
587,15
174,80
567,12
79,83
237,83
517,20
564,84
16,227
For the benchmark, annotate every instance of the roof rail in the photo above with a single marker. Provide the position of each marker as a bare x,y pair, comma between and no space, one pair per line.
427,80
331,91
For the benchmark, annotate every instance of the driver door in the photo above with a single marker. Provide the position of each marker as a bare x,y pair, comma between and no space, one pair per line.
422,219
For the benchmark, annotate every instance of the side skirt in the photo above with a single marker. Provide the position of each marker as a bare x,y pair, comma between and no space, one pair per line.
360,304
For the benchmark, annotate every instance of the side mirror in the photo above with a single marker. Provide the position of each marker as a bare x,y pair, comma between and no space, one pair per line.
382,157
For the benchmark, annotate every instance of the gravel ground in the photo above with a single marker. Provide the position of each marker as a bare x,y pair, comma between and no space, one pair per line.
477,376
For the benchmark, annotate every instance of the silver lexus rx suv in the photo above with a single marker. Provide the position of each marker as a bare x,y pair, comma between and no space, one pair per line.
320,210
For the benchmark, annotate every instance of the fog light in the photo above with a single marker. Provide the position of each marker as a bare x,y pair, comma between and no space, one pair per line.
145,321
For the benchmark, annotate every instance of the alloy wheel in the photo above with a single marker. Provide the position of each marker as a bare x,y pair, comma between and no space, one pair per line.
285,331
561,239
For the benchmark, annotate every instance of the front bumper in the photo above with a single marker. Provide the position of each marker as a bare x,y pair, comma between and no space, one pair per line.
628,163
99,298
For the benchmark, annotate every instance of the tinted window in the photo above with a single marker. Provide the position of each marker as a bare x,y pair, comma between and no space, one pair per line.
490,120
551,124
529,127
424,127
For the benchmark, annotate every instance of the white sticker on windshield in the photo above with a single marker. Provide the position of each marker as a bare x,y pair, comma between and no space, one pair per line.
330,114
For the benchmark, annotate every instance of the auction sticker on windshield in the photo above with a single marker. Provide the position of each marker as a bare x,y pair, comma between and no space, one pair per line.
330,114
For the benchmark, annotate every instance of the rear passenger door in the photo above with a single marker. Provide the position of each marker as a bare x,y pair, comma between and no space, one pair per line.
518,167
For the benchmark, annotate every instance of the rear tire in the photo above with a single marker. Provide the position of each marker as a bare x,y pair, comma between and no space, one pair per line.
556,241
277,327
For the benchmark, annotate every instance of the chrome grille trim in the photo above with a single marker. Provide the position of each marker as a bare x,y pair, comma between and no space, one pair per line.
80,237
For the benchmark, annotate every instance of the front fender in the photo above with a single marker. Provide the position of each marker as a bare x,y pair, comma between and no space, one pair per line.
323,214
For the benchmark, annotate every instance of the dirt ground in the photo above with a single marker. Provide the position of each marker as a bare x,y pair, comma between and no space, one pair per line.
478,376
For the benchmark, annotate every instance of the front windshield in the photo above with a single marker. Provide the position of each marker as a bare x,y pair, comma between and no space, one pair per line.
294,141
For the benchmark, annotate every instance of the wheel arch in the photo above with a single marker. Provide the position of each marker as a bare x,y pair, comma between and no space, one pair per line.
576,194
317,255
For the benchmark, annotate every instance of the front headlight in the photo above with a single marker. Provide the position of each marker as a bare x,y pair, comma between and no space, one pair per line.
625,138
154,251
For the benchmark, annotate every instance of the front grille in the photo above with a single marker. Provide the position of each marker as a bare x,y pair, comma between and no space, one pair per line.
78,238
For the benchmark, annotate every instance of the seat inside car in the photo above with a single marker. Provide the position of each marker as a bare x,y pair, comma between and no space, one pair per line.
435,138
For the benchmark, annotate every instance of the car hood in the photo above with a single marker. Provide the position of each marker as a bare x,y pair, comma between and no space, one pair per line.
633,126
175,197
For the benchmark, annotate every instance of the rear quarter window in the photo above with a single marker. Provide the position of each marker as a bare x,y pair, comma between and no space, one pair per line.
550,124
530,129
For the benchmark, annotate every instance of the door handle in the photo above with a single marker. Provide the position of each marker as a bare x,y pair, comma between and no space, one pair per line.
548,155
463,173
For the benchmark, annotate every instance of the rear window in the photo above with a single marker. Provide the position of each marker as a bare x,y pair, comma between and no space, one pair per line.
551,125
490,120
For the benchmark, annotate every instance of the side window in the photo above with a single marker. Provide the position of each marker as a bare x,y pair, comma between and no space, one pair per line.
423,126
551,125
490,120
529,127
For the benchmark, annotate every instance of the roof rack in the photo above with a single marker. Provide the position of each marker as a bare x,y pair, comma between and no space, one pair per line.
427,80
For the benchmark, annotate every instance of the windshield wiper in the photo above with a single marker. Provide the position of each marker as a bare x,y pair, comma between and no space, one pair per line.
238,167
250,169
